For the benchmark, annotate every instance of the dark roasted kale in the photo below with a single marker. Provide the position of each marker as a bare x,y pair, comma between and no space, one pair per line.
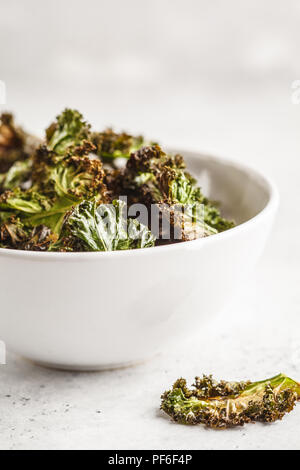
111,145
14,235
57,184
154,177
67,132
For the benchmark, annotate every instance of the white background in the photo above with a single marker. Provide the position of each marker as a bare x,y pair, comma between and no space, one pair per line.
208,75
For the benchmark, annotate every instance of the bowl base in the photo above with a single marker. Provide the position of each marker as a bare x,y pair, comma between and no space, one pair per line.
91,368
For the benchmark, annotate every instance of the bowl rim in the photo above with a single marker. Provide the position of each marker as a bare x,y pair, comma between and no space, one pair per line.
270,207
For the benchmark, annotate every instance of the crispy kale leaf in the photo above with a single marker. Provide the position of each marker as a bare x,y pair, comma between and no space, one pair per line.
226,404
151,174
67,135
73,175
92,227
34,209
153,177
67,132
14,235
110,145
22,202
18,176
56,187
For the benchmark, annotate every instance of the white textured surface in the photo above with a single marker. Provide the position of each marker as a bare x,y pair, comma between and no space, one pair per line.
186,95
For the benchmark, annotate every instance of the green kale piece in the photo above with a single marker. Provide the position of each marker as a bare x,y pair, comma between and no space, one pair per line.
153,177
75,175
57,186
92,227
23,202
67,135
110,145
227,404
42,189
213,217
67,132
33,208
18,176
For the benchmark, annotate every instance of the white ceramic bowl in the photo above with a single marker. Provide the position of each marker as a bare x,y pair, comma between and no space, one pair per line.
102,310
